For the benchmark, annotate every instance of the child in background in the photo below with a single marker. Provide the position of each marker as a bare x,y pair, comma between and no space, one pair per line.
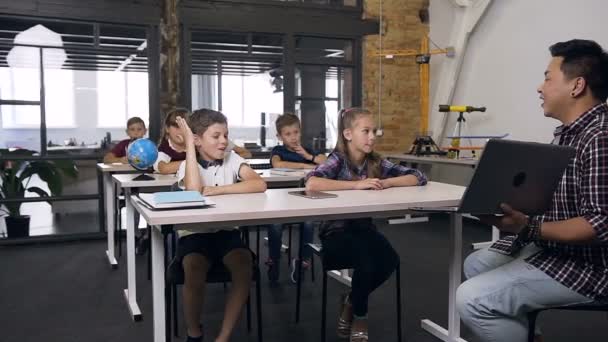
172,147
354,165
136,129
213,172
290,155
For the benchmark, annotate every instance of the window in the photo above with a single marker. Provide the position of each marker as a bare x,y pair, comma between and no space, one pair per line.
244,98
120,96
24,84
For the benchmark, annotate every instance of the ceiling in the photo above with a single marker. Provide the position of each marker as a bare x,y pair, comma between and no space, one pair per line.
106,47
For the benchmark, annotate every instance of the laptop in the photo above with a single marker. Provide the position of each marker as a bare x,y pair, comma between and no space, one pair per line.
521,174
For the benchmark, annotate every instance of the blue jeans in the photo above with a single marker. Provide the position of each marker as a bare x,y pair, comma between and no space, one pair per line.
275,240
502,289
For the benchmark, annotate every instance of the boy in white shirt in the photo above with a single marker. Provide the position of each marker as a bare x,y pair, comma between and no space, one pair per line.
214,172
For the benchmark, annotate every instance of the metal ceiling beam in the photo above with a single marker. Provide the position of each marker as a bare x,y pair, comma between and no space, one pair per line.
241,17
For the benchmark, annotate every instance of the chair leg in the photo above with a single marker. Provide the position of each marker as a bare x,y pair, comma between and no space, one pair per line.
312,269
168,305
258,303
173,286
257,243
398,286
324,306
298,270
532,325
175,313
289,247
249,313
312,260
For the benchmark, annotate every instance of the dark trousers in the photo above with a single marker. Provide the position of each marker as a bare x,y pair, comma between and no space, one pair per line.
368,252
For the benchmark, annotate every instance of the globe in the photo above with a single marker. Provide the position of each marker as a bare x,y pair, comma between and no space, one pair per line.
142,154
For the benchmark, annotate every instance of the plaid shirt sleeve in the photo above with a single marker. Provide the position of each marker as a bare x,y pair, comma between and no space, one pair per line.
330,169
594,185
390,169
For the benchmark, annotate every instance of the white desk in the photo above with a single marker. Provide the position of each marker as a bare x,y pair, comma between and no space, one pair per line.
276,206
126,182
109,199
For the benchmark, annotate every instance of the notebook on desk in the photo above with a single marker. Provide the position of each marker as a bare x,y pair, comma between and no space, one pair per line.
175,200
282,171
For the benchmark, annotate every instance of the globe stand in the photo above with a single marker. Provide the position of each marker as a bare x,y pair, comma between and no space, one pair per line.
143,177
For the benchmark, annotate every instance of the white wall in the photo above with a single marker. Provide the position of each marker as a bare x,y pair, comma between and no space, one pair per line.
506,58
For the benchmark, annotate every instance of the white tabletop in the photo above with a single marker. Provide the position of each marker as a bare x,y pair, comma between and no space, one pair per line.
116,167
126,180
431,159
277,205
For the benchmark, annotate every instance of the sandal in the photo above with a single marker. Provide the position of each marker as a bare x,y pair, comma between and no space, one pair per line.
344,326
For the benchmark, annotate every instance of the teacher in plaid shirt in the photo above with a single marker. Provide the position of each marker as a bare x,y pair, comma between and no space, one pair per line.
561,257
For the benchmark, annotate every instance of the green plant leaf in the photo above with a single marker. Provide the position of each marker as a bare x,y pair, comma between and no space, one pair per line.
49,174
67,167
14,174
40,192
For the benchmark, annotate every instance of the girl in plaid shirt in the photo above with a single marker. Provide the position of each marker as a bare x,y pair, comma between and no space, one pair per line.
353,165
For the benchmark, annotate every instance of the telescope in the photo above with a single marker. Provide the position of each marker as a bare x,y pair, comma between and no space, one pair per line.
461,109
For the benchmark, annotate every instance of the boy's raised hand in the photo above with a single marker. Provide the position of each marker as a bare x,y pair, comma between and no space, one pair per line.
369,183
186,132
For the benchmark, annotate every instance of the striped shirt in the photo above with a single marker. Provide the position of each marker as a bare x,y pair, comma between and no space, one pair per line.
582,192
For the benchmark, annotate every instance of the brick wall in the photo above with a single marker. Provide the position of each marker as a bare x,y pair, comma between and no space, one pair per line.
400,86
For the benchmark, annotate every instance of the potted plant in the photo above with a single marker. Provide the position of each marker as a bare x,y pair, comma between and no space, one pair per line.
15,177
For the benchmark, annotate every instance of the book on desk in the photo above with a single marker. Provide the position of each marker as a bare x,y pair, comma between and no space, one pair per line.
175,200
281,171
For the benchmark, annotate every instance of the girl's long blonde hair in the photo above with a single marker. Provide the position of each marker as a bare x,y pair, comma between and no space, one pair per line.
346,120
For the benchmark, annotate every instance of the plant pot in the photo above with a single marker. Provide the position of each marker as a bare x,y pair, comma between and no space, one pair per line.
17,226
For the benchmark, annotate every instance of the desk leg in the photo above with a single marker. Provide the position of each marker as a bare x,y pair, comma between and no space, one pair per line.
131,291
158,284
109,196
452,334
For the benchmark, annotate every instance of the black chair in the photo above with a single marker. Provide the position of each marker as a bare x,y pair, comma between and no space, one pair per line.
533,315
327,267
217,274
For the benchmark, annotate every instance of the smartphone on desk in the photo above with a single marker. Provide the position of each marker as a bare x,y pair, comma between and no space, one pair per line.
312,194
